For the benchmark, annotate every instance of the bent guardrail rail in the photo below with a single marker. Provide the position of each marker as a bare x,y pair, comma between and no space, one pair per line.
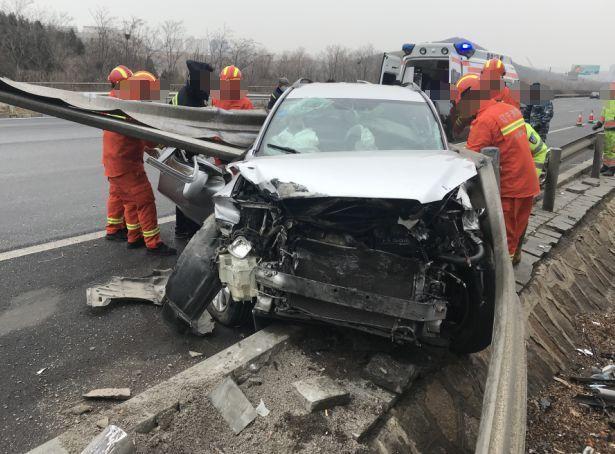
503,416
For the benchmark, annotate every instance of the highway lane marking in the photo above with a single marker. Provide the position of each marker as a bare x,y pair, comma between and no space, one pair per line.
563,129
9,255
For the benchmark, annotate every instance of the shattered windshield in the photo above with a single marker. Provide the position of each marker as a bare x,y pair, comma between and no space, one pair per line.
309,125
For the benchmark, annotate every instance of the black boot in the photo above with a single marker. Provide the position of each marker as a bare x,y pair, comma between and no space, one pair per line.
161,250
120,235
136,244
609,172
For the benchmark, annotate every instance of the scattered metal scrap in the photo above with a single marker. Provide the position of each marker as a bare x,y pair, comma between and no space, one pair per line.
149,288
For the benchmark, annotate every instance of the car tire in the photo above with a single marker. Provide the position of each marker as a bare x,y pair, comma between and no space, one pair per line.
476,332
225,310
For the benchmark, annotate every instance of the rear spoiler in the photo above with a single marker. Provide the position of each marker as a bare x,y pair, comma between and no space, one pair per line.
208,131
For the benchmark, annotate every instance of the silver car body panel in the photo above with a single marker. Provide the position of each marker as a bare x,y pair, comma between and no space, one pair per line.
425,176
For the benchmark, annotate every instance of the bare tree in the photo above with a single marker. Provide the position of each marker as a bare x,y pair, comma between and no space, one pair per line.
219,47
104,46
172,47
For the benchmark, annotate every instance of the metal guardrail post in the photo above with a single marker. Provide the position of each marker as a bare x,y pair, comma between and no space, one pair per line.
494,154
555,157
598,150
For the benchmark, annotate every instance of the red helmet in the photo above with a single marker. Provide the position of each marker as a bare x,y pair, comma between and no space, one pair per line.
118,74
495,67
144,75
465,83
230,73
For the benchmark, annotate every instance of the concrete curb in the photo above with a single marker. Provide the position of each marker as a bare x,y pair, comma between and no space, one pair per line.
140,414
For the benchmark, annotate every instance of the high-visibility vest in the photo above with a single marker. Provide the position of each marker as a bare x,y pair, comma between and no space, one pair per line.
608,115
539,149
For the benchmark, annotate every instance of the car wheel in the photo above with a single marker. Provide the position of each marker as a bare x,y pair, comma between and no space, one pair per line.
225,310
475,333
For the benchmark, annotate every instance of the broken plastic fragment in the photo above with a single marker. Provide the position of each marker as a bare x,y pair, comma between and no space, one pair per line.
585,351
41,371
262,410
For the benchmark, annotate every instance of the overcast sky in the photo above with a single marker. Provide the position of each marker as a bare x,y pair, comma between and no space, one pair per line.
555,33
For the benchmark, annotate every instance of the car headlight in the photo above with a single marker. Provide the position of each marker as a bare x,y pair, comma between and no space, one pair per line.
240,247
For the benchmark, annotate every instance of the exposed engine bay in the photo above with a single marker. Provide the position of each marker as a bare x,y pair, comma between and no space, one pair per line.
397,268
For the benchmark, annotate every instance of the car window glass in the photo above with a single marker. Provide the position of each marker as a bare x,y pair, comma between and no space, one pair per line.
309,125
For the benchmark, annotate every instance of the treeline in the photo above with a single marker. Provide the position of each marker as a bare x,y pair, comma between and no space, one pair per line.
35,49
30,49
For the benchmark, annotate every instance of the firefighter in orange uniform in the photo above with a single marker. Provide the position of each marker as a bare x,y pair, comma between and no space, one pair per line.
230,91
494,72
131,204
498,124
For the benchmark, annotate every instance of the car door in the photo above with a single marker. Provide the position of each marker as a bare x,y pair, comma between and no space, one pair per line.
389,70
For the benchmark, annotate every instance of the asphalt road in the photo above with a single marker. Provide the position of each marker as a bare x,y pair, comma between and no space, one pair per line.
52,182
53,187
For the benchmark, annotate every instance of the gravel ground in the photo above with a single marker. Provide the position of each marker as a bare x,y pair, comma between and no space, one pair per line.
198,427
559,424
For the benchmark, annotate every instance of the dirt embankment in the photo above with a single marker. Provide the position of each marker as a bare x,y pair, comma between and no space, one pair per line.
441,413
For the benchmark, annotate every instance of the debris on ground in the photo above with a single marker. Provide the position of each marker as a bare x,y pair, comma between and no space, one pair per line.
319,393
576,418
102,422
150,289
233,405
262,410
40,371
112,440
194,354
80,409
393,375
109,393
288,425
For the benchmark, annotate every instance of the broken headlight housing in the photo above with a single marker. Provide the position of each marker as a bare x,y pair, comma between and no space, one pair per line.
240,247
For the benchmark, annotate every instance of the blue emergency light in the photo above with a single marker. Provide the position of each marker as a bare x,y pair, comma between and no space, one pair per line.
407,48
465,48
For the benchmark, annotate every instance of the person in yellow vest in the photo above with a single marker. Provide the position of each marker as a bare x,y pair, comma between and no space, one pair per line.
608,121
540,150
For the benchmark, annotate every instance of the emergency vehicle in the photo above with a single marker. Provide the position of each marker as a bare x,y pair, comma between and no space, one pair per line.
433,67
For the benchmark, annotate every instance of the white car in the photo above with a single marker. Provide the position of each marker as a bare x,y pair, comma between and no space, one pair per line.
349,209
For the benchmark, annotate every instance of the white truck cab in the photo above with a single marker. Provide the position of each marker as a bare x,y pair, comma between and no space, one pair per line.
433,67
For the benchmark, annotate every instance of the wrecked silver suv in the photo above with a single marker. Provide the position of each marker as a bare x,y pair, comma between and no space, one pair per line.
350,210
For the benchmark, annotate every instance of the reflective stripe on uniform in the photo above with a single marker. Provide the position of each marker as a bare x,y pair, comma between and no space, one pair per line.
150,233
133,226
512,126
114,221
174,101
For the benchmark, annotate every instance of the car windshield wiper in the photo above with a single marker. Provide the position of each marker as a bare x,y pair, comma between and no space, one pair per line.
280,147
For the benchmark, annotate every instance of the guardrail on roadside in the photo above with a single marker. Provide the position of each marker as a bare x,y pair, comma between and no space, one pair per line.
557,156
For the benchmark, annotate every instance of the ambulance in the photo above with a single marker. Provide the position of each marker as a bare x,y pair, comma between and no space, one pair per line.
433,67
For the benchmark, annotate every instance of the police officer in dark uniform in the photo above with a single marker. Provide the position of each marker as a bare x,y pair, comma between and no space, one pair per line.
194,93
538,111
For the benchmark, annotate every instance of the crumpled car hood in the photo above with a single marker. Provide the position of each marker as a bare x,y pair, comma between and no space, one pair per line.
426,176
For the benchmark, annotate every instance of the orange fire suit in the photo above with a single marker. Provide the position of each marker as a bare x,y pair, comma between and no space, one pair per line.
233,104
501,125
131,202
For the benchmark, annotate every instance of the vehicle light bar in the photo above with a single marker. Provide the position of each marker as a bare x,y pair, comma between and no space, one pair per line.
465,48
